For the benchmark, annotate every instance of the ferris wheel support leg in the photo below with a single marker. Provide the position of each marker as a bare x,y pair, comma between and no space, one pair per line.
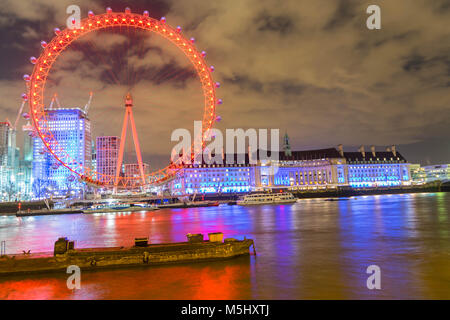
137,147
123,136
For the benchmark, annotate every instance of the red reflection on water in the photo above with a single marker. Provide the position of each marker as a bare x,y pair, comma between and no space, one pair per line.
220,284
217,280
44,289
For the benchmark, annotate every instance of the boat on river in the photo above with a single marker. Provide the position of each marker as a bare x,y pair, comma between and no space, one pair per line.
267,198
189,204
124,207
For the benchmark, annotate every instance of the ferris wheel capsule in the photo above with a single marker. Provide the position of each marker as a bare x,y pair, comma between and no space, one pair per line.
212,68
146,13
33,60
24,97
217,84
43,44
178,29
218,118
108,10
192,40
203,54
91,14
56,31
127,10
26,77
163,19
219,101
25,115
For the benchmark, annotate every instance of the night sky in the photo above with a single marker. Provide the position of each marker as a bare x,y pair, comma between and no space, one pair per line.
310,68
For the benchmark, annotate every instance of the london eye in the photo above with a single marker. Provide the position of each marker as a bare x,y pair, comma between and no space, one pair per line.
69,38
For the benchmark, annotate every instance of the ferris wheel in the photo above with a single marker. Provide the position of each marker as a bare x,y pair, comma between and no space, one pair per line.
63,39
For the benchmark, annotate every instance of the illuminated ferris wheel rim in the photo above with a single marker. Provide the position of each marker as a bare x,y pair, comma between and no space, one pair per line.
37,81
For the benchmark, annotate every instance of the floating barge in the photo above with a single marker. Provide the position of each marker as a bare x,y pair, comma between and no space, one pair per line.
141,254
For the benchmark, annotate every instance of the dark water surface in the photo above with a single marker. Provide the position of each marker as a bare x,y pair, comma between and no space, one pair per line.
315,249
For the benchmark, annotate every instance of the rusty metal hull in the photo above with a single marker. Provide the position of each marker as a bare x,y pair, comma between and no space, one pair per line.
98,258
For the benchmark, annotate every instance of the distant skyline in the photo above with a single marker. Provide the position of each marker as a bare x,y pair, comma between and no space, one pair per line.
309,68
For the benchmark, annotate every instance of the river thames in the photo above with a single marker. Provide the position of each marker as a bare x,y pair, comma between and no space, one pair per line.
314,249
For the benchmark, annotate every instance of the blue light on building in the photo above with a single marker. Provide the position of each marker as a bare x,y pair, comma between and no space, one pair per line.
71,128
376,169
206,178
302,170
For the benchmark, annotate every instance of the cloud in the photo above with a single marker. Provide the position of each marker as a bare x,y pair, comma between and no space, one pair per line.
315,63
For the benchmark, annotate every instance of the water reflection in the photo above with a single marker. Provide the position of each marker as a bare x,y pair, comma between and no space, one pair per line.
314,249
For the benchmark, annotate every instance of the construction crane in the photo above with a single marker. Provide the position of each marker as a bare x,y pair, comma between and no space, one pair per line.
18,115
55,98
88,104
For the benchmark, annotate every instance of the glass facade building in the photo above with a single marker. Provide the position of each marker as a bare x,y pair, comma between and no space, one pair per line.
15,169
71,128
439,172
107,153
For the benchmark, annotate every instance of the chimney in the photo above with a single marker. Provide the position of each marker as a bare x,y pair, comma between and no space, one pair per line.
394,152
341,150
361,149
372,148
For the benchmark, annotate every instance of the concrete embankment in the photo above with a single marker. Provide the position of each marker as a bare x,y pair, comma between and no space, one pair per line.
10,208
